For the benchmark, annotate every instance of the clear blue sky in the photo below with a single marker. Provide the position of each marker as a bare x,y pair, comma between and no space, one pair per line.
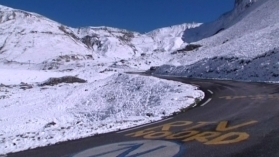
135,15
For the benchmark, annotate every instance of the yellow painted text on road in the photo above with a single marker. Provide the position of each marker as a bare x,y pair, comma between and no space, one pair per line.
223,125
221,132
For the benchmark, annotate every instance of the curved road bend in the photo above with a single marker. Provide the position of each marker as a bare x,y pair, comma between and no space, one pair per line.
236,119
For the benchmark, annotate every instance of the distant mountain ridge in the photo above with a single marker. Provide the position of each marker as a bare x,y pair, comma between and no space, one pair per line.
29,37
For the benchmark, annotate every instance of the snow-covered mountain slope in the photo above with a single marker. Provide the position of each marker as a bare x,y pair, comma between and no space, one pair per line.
31,38
170,38
250,29
247,32
225,21
244,32
108,42
35,50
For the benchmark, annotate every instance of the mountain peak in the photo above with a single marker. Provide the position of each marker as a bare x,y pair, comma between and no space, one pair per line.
241,5
4,8
243,2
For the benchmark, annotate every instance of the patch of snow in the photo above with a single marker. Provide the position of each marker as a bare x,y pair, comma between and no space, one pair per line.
16,76
47,115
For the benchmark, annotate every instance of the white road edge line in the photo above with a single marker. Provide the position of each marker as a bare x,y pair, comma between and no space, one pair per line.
206,102
194,105
210,91
144,125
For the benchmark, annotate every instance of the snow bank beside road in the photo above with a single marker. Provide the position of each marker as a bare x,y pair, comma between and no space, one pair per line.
51,114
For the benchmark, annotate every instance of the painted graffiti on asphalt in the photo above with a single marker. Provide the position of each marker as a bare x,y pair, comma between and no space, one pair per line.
209,133
141,148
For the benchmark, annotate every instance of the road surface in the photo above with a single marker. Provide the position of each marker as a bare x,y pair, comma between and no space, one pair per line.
236,119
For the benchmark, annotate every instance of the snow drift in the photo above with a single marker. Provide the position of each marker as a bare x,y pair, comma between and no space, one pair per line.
47,115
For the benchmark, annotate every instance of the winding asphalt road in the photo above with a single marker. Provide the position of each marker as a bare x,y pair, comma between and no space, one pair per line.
236,119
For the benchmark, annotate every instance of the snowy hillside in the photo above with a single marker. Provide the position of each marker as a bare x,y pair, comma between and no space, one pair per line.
42,61
261,68
29,37
72,80
25,34
247,32
225,21
72,111
170,38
